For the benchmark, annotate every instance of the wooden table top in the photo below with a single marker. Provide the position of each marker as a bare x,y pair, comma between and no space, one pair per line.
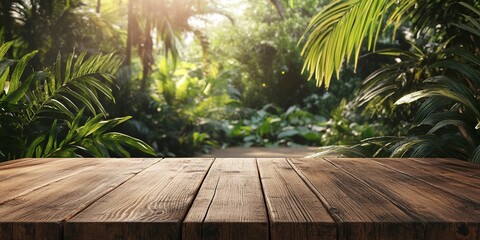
242,198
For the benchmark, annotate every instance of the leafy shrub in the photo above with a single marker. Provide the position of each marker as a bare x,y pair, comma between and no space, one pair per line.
57,112
272,127
181,113
442,82
340,130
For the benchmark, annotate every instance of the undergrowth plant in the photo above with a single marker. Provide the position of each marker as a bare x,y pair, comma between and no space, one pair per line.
442,81
58,112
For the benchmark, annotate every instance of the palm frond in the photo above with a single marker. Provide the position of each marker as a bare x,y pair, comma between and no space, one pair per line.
338,31
42,114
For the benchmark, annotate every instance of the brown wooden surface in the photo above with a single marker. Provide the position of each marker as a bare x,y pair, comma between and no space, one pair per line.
295,211
152,204
437,209
243,198
230,203
361,210
39,214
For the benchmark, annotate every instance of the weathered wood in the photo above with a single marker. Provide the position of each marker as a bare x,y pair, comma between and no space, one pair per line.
39,214
230,204
358,209
150,205
24,176
441,211
462,167
239,199
445,179
295,211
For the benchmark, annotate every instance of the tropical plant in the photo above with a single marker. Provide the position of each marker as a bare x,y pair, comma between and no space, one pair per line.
340,130
261,51
51,26
164,21
270,126
182,114
337,33
57,112
442,79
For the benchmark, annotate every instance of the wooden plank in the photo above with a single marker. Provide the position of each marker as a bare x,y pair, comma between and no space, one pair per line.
295,212
443,213
461,185
151,205
360,211
19,161
39,214
230,203
465,168
27,175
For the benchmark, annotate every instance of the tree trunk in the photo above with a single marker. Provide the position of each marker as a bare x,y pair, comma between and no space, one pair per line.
280,9
7,21
147,57
128,54
99,4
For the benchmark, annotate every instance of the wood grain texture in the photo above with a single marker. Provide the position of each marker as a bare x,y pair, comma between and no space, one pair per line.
462,167
460,185
26,175
295,211
443,213
242,198
360,211
39,214
151,205
230,203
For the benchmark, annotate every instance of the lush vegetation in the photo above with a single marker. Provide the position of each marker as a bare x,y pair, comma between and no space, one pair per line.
195,75
431,90
44,113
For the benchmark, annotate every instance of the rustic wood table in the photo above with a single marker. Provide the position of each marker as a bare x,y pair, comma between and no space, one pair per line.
242,198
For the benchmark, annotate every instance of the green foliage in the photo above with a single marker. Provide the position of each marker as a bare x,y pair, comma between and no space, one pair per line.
340,130
181,114
272,127
51,26
442,80
338,31
261,53
43,114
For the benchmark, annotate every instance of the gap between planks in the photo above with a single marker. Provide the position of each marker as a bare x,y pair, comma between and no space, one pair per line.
262,187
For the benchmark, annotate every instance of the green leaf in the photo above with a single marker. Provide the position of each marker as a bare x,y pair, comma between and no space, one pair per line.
4,71
117,148
91,126
90,146
58,69
81,98
14,96
19,70
129,141
338,31
4,48
287,133
68,67
31,148
73,129
52,138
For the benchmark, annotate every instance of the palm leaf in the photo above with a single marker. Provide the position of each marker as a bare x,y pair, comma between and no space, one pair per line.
338,31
